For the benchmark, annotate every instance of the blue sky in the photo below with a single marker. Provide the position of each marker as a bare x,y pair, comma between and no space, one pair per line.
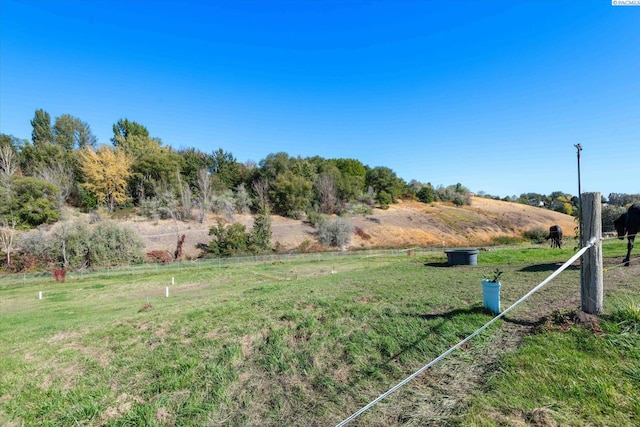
491,94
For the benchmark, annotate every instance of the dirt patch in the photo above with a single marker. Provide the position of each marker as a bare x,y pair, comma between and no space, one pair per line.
564,321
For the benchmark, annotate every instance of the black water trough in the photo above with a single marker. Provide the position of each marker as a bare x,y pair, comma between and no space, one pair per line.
462,256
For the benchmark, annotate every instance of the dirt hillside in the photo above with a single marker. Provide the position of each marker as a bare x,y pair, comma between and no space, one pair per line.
406,224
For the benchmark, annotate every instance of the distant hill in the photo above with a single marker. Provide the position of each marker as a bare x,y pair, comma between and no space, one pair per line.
406,224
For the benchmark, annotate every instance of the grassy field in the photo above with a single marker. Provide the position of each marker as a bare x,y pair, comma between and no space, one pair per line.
309,341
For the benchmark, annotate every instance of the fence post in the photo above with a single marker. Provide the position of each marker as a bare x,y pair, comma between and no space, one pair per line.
591,267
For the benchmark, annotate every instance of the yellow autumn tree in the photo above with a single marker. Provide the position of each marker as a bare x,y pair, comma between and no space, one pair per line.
106,172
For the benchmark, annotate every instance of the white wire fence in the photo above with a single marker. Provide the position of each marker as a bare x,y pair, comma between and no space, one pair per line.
207,264
468,338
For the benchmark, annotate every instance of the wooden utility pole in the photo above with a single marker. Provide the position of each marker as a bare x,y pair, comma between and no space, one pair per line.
591,271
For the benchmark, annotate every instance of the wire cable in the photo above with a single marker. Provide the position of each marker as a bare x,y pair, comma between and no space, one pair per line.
474,334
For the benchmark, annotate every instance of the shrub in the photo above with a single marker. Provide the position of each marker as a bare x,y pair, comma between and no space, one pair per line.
38,245
536,234
457,194
356,208
228,241
384,199
111,244
504,240
74,244
69,243
314,218
335,233
426,194
305,246
150,208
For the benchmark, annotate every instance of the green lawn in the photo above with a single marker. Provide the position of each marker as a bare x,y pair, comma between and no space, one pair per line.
309,341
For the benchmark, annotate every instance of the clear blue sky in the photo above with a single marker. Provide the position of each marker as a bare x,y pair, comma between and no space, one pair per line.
491,94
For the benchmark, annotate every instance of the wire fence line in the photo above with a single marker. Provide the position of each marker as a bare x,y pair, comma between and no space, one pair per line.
209,263
468,338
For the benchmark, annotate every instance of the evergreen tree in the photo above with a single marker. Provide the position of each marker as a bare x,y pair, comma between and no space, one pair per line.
261,235
42,132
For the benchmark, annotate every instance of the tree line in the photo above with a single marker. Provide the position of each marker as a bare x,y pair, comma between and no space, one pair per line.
62,164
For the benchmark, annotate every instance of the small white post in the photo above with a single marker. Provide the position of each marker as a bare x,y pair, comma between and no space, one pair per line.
40,295
166,292
172,281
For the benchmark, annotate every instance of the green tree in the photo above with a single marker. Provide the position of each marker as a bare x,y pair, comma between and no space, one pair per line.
155,165
227,168
384,199
260,239
193,161
383,179
291,194
124,130
350,185
42,150
609,214
151,162
426,194
71,133
34,157
42,132
274,165
30,201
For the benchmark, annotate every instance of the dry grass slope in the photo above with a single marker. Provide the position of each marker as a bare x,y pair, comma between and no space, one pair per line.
405,224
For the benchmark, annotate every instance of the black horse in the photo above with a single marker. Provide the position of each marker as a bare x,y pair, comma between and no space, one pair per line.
629,224
555,234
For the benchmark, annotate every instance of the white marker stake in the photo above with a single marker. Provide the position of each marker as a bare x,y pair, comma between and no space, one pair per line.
166,292
40,295
172,281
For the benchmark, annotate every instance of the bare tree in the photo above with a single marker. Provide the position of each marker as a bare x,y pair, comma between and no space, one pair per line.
261,190
58,174
326,187
185,199
242,200
222,202
7,237
205,186
8,162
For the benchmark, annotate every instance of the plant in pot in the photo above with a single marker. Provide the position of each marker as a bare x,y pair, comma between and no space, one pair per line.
491,290
494,277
